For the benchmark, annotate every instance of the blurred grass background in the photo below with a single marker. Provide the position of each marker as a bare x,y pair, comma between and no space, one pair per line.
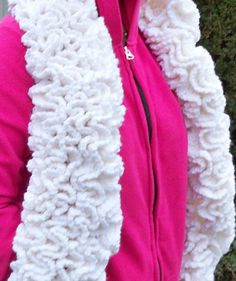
218,27
3,8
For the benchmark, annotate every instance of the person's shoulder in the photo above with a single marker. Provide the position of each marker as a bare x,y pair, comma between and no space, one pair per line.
10,32
11,48
12,52
8,22
9,29
15,81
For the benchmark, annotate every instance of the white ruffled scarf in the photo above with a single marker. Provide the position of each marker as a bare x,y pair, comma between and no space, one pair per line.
71,218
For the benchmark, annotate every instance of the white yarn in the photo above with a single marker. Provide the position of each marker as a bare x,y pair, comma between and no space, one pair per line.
71,218
172,34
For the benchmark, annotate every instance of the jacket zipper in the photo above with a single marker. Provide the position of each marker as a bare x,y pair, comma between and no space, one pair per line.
130,56
145,105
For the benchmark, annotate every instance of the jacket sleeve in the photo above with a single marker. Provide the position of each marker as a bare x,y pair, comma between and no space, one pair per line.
15,108
190,71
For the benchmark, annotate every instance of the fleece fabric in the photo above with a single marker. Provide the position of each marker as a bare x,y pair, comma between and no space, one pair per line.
151,244
114,144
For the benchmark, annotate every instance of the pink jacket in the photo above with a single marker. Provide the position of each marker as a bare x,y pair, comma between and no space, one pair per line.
114,155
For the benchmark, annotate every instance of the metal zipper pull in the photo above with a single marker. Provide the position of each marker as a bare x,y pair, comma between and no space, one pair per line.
128,53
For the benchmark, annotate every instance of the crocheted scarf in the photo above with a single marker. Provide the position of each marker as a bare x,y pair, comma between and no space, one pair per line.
71,218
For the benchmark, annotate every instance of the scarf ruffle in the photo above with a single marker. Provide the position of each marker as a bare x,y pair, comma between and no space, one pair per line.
172,34
72,218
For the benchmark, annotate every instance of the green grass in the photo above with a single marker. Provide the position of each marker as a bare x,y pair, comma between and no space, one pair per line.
218,27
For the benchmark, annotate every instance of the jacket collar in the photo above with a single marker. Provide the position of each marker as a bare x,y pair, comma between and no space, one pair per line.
74,136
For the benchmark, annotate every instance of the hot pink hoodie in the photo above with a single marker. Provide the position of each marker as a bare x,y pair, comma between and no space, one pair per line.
154,183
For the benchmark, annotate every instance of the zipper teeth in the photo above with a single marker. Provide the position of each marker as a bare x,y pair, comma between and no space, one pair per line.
146,108
143,98
125,33
154,203
155,195
149,123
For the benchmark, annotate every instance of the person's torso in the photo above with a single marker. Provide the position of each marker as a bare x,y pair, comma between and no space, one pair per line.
154,151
